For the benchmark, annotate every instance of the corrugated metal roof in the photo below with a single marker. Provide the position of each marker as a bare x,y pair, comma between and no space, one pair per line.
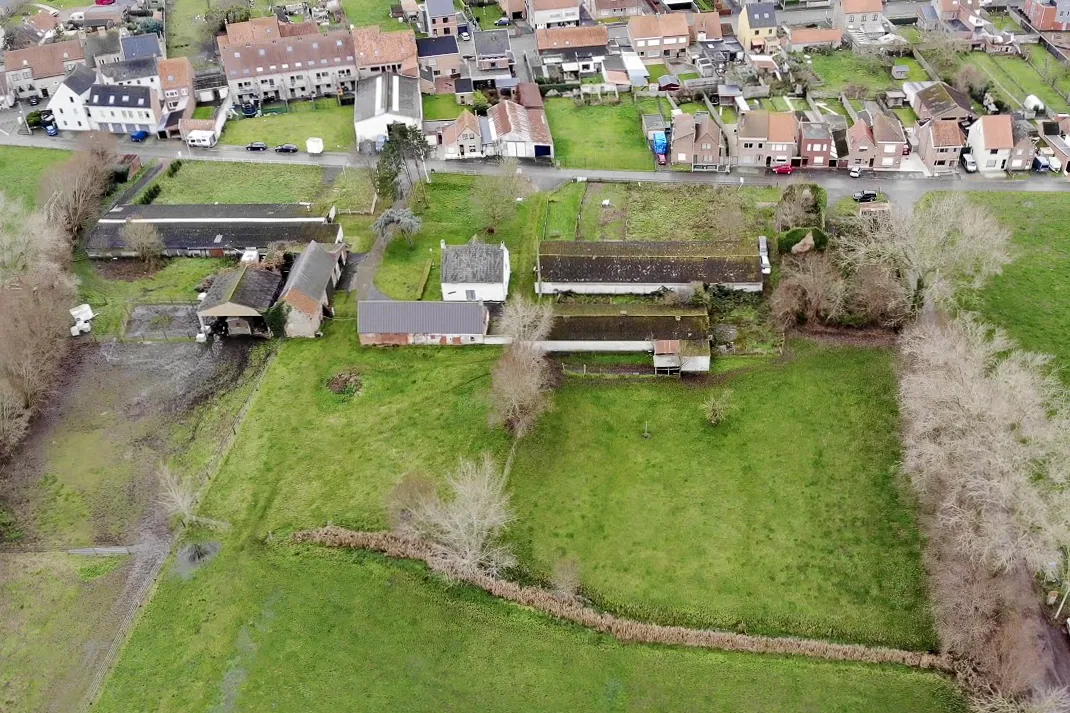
388,317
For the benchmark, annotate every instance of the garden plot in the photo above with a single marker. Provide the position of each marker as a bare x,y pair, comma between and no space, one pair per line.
156,322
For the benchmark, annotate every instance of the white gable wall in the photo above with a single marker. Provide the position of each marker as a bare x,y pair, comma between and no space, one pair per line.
69,110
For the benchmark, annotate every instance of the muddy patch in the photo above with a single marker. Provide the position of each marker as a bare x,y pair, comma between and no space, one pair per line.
346,383
192,556
162,322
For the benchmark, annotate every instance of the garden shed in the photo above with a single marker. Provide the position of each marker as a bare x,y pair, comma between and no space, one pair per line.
237,301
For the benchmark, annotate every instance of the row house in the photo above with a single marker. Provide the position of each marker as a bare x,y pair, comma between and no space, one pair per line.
659,37
1048,15
378,52
493,53
68,103
767,138
123,109
697,143
39,71
609,9
139,72
705,26
942,102
890,140
940,145
817,147
577,51
275,61
552,13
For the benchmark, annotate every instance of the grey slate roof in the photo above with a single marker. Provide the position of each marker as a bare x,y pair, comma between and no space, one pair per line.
387,317
229,237
80,79
209,211
436,46
130,69
138,46
311,272
472,263
627,322
98,44
110,95
375,95
644,262
490,43
246,286
462,85
761,14
440,8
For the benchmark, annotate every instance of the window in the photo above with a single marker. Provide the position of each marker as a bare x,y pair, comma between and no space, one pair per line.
748,146
990,164
993,152
756,32
470,295
681,157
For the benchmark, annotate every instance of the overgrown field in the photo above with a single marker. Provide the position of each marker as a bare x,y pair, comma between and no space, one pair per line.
220,182
787,518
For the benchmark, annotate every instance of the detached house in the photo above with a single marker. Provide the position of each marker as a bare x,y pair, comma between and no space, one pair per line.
267,60
766,138
864,16
38,71
697,143
552,13
940,145
1048,15
991,140
377,52
606,9
657,37
474,272
463,138
757,25
68,103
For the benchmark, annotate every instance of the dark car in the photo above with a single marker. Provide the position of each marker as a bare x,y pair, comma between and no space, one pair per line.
139,136
256,146
784,169
34,101
286,148
501,22
865,196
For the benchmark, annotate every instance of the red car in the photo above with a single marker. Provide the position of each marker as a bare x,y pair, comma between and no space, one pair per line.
104,2
784,169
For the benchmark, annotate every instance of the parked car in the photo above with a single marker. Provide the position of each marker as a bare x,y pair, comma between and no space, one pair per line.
139,136
286,148
501,22
465,35
51,130
34,101
856,172
969,163
256,146
865,196
77,17
784,169
105,2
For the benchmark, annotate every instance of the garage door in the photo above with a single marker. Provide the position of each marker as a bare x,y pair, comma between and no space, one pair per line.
543,151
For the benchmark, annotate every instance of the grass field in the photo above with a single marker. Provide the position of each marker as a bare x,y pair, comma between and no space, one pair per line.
280,628
453,215
653,212
218,182
324,119
21,170
842,69
600,137
352,189
1015,76
656,71
441,106
782,520
1031,299
371,12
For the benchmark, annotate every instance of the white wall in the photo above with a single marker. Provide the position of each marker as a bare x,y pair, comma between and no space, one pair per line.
299,324
371,129
484,292
70,115
616,288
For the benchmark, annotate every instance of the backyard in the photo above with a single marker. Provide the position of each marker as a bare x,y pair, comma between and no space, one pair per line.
843,69
324,119
21,170
441,106
608,136
1016,77
362,13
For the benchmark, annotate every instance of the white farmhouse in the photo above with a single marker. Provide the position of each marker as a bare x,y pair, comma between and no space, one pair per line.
475,272
386,99
68,104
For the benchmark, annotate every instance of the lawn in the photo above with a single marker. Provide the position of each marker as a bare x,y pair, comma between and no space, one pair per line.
352,189
910,33
204,112
563,209
21,171
112,299
487,15
452,214
371,12
693,107
906,115
1040,57
1005,22
915,73
656,72
1031,299
684,76
608,136
1016,77
324,119
781,104
728,114
221,182
185,27
842,69
785,519
441,106
657,212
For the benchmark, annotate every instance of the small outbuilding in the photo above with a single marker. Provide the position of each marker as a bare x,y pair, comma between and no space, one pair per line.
395,323
237,301
475,272
310,286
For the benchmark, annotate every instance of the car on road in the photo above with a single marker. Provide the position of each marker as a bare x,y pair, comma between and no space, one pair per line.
856,172
865,196
105,2
501,22
256,146
139,136
51,130
286,148
34,101
783,169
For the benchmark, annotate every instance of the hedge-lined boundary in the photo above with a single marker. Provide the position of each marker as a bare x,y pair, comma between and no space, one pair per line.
624,630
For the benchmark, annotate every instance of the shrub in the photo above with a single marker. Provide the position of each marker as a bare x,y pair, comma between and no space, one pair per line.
150,194
276,319
9,527
718,406
173,167
789,238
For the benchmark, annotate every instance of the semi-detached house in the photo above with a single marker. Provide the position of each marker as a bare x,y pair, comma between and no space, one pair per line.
38,71
659,36
552,13
267,60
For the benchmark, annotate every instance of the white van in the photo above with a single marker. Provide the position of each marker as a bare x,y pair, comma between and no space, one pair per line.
77,17
201,139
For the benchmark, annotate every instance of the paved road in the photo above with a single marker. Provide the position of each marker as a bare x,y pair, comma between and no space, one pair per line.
902,189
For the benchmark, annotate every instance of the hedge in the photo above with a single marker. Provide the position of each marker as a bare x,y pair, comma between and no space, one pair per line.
787,240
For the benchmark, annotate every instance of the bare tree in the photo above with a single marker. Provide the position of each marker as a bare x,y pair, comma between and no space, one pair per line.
794,209
102,146
33,332
717,407
497,192
525,321
145,240
395,221
14,419
878,297
520,384
970,80
467,524
1049,700
945,242
71,192
942,50
29,243
177,499
811,288
566,578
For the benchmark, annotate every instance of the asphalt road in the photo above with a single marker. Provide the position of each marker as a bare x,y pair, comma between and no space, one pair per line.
901,189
